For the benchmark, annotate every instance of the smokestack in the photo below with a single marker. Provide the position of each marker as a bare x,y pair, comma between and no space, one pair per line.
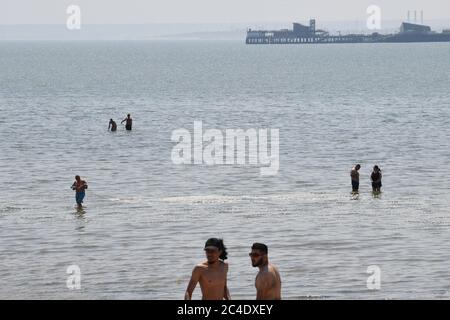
415,16
421,17
409,16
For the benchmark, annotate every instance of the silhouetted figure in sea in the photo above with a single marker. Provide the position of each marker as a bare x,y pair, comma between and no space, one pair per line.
128,122
375,177
112,125
354,174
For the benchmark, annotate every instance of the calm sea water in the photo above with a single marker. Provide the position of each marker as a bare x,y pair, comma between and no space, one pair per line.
146,219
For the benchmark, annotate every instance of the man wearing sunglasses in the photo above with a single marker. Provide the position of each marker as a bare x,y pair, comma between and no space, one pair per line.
268,280
211,274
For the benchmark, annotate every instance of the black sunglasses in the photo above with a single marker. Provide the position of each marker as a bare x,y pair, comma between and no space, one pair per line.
253,254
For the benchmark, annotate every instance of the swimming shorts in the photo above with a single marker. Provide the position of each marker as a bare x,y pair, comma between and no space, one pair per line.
376,185
128,127
79,196
355,185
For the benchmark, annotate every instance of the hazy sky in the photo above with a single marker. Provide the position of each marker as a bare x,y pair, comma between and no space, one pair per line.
212,11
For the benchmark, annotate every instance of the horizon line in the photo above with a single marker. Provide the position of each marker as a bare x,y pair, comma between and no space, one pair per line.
210,23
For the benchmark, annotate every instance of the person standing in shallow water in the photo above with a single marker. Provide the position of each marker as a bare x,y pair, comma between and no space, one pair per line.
128,122
268,280
354,174
79,186
112,125
375,177
211,274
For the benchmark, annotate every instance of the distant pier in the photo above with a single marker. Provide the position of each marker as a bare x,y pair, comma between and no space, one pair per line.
301,34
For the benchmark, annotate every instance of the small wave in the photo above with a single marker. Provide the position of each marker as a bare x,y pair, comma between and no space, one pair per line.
307,297
205,199
132,200
9,209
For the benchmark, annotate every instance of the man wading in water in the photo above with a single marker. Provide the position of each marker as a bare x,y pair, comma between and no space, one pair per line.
212,273
79,186
112,125
354,174
376,179
128,122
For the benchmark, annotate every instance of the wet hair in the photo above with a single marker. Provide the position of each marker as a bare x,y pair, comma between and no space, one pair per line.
224,255
77,177
261,247
358,165
128,115
218,243
376,167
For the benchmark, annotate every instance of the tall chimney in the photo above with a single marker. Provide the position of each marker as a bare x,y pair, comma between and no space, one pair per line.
421,17
409,15
415,16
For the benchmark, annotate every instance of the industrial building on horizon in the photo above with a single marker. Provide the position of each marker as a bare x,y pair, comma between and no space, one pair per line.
303,34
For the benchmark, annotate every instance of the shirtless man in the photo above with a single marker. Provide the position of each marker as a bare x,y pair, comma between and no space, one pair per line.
79,186
375,177
212,273
354,174
128,122
268,280
112,125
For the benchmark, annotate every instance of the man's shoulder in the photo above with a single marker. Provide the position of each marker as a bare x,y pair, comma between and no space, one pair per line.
268,273
201,266
264,279
199,270
275,272
263,273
